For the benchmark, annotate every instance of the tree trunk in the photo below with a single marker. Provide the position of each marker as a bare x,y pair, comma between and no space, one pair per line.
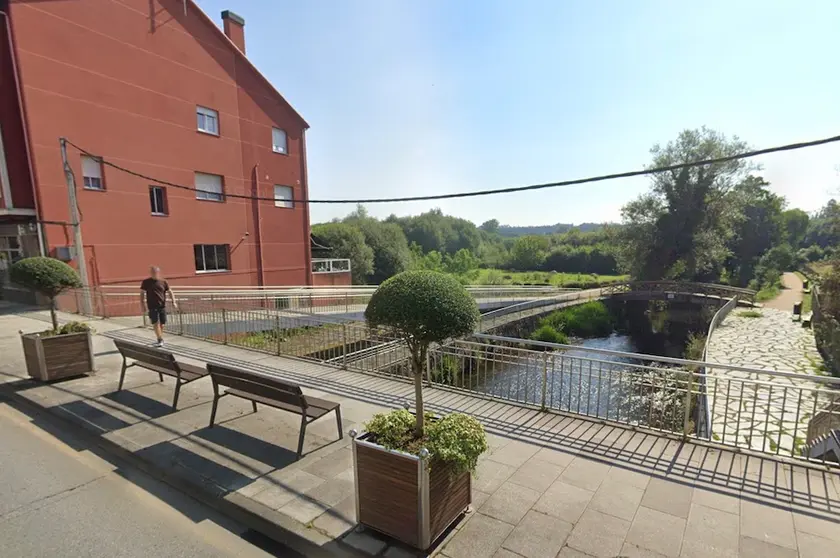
417,361
53,315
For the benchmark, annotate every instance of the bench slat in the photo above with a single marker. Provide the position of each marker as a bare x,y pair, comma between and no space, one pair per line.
146,355
321,403
311,412
258,385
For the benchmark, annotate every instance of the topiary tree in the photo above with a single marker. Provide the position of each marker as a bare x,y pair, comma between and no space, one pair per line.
422,307
47,276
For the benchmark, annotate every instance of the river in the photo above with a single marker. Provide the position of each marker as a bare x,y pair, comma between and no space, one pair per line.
576,380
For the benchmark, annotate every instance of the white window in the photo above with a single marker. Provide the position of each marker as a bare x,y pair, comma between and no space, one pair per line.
208,187
208,120
211,257
278,141
284,197
92,173
157,198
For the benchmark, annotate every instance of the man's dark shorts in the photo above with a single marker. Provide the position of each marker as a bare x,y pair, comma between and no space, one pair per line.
157,315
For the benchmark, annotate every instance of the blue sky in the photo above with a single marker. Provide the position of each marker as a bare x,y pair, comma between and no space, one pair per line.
418,98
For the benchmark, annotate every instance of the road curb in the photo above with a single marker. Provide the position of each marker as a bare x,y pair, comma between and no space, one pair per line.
245,511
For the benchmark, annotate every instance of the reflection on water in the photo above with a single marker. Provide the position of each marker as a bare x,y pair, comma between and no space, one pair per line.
579,381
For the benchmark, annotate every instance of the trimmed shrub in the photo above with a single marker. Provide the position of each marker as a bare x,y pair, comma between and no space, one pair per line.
47,276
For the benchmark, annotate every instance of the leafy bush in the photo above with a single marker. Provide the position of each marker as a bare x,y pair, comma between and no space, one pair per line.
68,328
422,307
591,319
47,276
457,440
695,346
549,334
392,430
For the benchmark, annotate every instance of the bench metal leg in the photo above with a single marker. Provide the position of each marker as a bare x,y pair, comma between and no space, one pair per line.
338,421
213,410
302,434
122,374
161,376
177,393
254,403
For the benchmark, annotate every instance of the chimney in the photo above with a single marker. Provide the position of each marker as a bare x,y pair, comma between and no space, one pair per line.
234,29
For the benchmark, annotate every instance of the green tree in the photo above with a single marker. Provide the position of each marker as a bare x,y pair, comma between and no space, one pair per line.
680,228
391,254
491,226
795,225
46,276
422,307
462,262
824,228
347,241
529,252
757,227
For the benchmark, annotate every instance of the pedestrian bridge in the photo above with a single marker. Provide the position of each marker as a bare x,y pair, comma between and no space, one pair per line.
675,290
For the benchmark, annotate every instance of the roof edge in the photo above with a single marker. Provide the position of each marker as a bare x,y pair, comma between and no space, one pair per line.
208,20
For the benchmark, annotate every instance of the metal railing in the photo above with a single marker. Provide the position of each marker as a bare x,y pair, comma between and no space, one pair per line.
652,288
124,302
515,312
704,425
327,265
761,410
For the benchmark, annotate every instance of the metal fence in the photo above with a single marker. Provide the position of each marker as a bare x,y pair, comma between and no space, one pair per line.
767,411
650,288
501,316
762,410
113,302
704,410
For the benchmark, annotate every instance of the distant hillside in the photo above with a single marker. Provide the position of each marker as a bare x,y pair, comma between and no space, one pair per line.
509,231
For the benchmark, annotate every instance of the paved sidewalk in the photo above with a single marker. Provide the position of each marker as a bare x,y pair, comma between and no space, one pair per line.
552,485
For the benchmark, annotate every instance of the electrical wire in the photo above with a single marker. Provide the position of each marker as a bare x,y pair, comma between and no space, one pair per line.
532,187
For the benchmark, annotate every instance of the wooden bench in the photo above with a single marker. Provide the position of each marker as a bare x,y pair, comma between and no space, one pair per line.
159,361
263,389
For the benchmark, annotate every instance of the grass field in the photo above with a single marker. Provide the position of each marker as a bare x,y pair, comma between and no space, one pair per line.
572,280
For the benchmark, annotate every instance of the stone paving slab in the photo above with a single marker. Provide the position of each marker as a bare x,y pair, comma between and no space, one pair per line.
763,412
561,486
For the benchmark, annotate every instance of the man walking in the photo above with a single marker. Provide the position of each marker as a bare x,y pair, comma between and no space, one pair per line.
153,301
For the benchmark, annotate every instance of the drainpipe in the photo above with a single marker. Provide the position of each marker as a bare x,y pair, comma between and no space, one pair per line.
304,183
25,121
260,265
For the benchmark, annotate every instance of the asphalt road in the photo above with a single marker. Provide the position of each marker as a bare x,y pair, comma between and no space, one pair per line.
59,499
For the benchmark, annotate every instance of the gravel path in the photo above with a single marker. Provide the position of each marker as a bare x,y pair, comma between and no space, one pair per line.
790,295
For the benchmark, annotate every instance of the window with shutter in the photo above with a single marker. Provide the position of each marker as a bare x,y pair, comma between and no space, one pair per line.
209,187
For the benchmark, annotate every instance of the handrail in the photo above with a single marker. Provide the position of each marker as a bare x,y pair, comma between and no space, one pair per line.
652,358
685,287
717,319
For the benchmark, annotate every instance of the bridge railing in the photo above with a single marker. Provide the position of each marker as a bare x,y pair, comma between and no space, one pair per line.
124,302
679,287
759,410
704,412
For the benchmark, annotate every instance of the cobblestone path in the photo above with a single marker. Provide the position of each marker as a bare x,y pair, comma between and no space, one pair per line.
762,411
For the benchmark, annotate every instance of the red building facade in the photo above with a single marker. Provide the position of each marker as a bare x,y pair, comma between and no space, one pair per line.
156,87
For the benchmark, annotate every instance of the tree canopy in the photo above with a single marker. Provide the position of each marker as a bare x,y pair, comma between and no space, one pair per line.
422,307
47,276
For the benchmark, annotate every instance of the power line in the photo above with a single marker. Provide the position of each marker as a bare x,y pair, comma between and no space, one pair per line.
601,178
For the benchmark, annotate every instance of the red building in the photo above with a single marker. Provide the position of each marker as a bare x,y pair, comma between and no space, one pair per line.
156,87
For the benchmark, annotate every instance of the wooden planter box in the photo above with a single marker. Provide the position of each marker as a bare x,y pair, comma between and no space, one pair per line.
409,498
59,356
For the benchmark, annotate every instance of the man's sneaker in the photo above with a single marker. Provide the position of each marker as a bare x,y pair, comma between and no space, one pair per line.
159,343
